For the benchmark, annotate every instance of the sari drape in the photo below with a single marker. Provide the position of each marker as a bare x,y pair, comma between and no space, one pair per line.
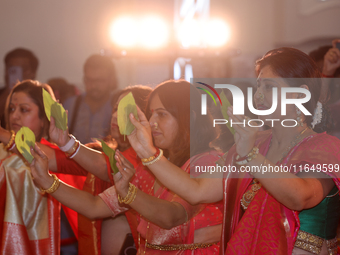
268,227
184,234
29,221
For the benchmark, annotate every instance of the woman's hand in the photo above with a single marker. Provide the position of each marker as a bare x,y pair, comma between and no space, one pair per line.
39,168
245,135
141,138
57,135
331,60
126,172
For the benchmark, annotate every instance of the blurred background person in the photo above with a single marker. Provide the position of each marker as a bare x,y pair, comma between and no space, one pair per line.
20,64
89,114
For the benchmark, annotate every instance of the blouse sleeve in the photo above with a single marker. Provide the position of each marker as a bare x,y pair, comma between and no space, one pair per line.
109,196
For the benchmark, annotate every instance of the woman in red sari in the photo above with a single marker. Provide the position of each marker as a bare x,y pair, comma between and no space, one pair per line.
29,220
282,212
169,224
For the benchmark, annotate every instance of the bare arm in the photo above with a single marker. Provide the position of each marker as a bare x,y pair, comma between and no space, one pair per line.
91,160
164,213
297,192
195,191
82,202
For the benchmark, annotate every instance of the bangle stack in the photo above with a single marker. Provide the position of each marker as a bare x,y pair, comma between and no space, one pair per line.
10,145
131,195
152,159
249,157
69,144
74,149
55,185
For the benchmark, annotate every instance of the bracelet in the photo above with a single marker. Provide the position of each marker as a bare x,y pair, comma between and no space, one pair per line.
131,195
69,144
155,159
249,157
74,151
11,142
146,160
55,185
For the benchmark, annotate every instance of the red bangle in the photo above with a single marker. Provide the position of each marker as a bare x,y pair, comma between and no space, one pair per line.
146,160
327,76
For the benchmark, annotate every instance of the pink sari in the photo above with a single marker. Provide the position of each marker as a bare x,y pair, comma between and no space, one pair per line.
268,227
199,216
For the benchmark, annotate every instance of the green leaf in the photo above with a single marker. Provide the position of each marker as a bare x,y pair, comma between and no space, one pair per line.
224,110
48,102
126,106
59,114
24,139
111,155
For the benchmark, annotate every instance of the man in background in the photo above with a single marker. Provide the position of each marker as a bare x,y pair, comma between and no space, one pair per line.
20,64
89,114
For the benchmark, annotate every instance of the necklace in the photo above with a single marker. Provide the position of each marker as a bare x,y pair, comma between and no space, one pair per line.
294,142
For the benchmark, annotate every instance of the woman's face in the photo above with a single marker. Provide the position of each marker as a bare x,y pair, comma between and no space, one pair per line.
263,97
166,129
114,123
24,112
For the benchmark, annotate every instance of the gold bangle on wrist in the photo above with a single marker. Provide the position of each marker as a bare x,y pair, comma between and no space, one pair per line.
131,195
11,141
155,159
249,157
55,185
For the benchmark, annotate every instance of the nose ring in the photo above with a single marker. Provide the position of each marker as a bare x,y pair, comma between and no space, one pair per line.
156,125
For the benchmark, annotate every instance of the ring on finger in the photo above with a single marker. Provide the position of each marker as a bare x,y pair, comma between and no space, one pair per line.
124,168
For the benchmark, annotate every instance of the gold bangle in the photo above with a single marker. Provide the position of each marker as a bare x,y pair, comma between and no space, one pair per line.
131,195
55,185
251,155
11,140
155,159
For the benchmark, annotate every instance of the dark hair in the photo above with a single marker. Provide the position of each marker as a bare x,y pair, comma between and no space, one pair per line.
182,101
34,90
140,93
23,53
102,62
292,63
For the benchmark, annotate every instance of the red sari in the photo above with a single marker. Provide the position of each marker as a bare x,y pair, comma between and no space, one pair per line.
199,216
29,222
268,227
89,231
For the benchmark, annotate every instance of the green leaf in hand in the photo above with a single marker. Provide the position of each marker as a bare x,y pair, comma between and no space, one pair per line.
224,110
25,139
126,106
48,102
111,155
59,114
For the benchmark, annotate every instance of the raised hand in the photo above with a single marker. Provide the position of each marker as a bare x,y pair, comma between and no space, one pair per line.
141,138
39,168
245,135
57,135
331,60
126,172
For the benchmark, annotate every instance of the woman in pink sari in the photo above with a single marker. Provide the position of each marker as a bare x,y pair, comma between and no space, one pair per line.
295,211
167,224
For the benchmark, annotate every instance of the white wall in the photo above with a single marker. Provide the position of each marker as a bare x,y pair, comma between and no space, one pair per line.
64,33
